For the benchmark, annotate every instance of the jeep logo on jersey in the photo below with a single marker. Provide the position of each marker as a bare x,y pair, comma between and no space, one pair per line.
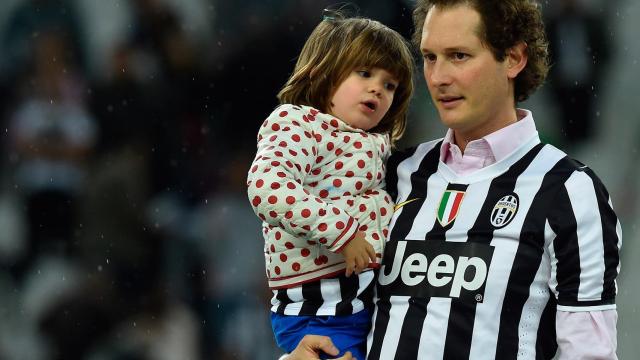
504,211
435,268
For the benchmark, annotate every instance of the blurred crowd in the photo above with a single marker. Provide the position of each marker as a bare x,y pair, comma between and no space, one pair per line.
126,231
125,228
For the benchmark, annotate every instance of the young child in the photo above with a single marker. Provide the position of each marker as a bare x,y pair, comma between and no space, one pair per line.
317,181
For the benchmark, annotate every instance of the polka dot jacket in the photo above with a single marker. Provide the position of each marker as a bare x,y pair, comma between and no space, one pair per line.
314,182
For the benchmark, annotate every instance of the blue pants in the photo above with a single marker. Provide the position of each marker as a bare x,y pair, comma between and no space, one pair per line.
348,333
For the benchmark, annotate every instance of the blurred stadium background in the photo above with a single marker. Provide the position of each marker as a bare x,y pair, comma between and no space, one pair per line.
127,130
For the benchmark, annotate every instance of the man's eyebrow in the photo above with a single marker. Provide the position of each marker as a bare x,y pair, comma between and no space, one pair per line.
451,49
425,50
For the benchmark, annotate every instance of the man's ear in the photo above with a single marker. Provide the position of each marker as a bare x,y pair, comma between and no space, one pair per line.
516,59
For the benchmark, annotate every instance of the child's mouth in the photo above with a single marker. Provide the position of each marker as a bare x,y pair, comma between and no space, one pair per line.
370,105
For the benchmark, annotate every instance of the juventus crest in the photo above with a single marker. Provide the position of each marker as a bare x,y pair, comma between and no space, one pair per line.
505,210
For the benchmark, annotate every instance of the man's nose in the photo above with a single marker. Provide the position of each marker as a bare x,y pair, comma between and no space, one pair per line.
438,73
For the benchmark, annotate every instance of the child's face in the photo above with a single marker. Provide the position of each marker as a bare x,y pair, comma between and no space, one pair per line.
364,97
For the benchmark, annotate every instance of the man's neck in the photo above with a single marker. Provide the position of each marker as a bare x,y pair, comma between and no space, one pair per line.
461,137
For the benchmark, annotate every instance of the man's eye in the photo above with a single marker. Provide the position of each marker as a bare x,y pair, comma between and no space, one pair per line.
429,57
460,56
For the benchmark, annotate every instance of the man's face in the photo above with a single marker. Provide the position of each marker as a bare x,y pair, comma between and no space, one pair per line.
472,91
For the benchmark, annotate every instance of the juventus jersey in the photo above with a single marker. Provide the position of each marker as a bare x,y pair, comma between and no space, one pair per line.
476,266
335,296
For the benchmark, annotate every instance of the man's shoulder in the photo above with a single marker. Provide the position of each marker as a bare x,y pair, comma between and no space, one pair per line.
567,162
570,172
417,150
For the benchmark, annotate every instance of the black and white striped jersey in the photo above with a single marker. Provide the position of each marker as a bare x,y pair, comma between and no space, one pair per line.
476,266
334,296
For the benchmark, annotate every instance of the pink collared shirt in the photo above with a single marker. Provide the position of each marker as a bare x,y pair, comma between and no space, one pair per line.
580,335
489,149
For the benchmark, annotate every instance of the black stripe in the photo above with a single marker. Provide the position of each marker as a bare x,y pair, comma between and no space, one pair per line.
367,294
589,303
412,329
391,178
428,166
457,347
546,345
609,237
563,222
527,260
312,298
459,330
284,300
348,291
462,315
380,329
457,187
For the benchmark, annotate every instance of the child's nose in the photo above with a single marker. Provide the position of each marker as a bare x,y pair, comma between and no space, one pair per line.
376,88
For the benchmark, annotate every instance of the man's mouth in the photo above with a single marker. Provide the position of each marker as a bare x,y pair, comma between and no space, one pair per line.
450,102
449,99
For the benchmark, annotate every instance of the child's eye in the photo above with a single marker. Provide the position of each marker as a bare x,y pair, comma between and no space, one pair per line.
364,73
390,86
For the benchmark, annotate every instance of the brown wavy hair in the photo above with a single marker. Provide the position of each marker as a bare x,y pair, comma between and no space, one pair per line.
504,23
335,48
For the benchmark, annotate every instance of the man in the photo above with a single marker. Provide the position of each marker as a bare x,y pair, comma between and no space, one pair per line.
500,247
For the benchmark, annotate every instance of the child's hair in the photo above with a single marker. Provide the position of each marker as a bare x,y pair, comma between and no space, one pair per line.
340,45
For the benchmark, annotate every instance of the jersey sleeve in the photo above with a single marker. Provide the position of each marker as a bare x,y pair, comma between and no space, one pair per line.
585,247
287,151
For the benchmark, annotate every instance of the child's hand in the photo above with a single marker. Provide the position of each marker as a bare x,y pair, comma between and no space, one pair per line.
357,254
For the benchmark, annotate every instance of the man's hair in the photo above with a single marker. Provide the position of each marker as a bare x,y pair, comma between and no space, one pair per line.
504,23
338,46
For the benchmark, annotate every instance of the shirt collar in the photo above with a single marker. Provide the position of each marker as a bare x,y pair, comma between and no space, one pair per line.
500,143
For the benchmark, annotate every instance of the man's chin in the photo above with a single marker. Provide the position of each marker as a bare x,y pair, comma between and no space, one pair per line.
450,118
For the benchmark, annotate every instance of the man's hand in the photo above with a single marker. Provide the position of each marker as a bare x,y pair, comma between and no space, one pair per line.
357,254
310,347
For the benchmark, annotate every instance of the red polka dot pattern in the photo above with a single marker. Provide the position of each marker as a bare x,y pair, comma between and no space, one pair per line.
314,182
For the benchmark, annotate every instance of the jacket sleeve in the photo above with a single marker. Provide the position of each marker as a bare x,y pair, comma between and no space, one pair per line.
287,152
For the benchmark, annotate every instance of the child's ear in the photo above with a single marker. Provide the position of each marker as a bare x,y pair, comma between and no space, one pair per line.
516,59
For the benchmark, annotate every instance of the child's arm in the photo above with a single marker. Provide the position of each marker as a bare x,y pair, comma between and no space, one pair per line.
287,151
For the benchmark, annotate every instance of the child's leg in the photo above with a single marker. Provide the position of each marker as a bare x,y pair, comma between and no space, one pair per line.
289,330
348,333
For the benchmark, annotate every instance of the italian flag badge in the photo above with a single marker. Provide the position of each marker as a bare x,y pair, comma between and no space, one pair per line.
449,206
